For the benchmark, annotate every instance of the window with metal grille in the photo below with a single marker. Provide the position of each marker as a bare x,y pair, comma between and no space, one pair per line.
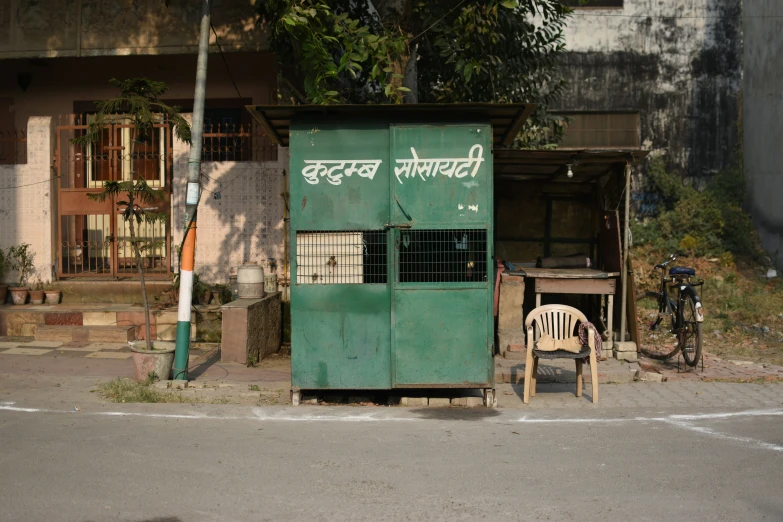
346,257
442,256
605,130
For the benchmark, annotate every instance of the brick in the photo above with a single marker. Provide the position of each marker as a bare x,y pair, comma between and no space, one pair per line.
162,385
99,318
475,402
110,334
14,322
626,346
626,356
54,333
137,320
28,330
168,332
439,402
63,319
516,356
414,401
468,402
179,384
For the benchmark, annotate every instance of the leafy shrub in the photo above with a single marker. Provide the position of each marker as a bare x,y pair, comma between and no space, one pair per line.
707,223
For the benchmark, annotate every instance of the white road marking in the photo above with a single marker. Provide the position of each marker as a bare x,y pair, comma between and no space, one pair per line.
286,415
679,421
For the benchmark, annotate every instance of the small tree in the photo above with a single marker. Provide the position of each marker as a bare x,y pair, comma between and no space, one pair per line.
139,101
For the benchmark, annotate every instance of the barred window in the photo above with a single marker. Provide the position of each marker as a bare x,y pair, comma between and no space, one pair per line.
345,257
443,256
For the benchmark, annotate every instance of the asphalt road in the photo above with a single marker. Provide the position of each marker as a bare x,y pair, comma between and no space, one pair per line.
192,463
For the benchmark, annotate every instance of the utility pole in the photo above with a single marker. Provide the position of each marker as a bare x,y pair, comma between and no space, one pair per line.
188,254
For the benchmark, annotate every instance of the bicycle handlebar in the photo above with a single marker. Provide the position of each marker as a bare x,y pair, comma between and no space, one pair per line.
672,258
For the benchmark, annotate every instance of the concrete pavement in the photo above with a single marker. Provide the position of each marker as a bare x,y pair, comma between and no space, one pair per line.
204,463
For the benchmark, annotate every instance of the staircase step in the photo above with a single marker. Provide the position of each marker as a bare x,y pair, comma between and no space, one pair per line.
94,334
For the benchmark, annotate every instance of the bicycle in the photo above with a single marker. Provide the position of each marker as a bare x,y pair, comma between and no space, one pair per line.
666,325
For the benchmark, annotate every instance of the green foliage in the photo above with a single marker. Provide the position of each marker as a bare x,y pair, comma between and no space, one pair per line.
335,46
140,100
470,51
711,222
22,260
136,193
2,265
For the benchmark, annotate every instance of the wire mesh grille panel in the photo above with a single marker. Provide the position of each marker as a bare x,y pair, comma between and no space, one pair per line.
442,256
86,247
346,257
152,242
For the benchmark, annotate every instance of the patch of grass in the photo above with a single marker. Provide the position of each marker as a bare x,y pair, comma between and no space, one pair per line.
128,390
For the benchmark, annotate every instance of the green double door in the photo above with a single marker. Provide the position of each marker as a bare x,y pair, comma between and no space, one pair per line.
391,258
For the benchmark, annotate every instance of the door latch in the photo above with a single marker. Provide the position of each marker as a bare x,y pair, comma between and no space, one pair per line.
398,225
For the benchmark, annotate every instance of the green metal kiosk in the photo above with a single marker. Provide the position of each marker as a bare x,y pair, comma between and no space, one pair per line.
391,216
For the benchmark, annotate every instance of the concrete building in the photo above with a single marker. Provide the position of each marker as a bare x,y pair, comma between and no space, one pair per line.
56,58
763,120
663,74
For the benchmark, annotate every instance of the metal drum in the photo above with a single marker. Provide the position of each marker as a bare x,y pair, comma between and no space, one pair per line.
250,281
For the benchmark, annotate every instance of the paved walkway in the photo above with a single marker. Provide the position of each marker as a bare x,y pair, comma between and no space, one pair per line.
715,369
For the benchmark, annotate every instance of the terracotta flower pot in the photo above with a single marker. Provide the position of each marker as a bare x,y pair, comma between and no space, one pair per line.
205,297
3,293
19,294
159,360
53,296
36,297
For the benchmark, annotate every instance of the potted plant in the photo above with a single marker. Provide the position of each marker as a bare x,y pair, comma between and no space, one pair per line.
139,104
37,292
3,286
21,258
53,294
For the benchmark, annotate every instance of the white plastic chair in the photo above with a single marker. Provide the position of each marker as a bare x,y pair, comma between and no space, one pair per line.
559,322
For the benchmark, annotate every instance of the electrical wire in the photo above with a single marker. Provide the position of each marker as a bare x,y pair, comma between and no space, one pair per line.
31,184
225,62
436,22
580,13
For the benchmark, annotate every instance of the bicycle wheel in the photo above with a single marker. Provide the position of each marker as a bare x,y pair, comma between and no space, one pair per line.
690,331
657,339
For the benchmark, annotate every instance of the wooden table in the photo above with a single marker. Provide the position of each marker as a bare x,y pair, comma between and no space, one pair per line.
575,281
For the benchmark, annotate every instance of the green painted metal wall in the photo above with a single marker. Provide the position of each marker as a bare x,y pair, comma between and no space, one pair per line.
426,322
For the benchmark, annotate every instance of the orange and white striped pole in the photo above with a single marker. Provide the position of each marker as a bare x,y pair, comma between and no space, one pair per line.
188,254
188,260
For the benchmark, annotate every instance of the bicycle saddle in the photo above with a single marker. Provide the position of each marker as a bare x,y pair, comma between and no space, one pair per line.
682,271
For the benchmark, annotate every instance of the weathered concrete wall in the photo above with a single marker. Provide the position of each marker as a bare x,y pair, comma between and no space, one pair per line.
27,199
677,63
763,120
49,28
244,225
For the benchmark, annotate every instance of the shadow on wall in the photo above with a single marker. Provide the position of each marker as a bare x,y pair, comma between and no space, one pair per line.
240,215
